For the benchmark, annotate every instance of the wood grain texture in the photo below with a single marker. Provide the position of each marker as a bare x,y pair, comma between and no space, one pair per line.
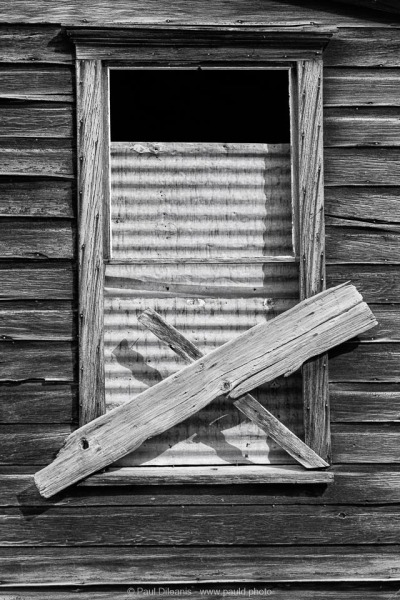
334,315
230,591
38,361
36,82
372,204
358,443
359,242
365,362
353,484
362,126
77,566
91,268
38,403
40,157
364,47
187,200
34,45
48,282
35,197
312,245
374,283
37,321
212,526
236,12
362,166
361,87
34,239
30,444
248,405
25,120
388,328
360,402
209,475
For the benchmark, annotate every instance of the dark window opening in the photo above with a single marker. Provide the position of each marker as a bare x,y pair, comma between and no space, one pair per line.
247,106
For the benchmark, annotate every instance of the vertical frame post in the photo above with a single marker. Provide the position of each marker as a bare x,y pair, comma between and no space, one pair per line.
312,243
91,184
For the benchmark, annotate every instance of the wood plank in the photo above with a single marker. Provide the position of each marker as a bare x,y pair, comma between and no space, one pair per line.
362,126
388,328
366,443
248,405
229,591
360,402
365,362
31,444
36,82
47,283
374,283
312,244
361,87
358,242
364,47
31,119
48,157
38,403
92,185
35,197
78,566
197,200
53,361
362,166
37,321
251,13
34,239
209,475
34,44
374,204
220,371
353,484
183,526
225,280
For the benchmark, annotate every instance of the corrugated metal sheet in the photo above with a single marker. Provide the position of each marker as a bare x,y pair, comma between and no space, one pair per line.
198,201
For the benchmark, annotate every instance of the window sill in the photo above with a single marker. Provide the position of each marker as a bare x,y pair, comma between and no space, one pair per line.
215,475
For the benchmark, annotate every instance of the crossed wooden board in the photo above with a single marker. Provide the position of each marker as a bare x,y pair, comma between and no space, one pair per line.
268,350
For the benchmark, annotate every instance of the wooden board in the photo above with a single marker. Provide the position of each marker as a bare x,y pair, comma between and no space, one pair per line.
37,321
48,283
356,402
34,44
373,204
36,197
187,200
36,82
375,283
38,403
25,156
362,166
38,360
34,239
362,126
364,47
73,566
353,443
362,242
25,120
365,362
361,87
30,444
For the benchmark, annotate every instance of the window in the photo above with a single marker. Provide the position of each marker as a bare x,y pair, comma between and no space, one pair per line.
158,249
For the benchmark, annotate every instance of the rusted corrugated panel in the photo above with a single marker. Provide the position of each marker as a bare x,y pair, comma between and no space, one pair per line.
202,202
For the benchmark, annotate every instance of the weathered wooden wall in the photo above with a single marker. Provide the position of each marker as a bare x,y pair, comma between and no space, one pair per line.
115,536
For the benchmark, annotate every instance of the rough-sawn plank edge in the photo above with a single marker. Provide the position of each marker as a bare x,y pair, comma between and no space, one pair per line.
271,349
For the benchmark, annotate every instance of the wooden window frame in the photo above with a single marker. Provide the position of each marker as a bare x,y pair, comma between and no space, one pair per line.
298,49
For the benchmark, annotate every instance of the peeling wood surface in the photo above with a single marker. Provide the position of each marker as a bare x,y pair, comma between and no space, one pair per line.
334,315
25,156
35,120
200,200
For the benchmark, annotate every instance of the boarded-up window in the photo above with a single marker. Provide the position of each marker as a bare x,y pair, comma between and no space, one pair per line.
202,231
